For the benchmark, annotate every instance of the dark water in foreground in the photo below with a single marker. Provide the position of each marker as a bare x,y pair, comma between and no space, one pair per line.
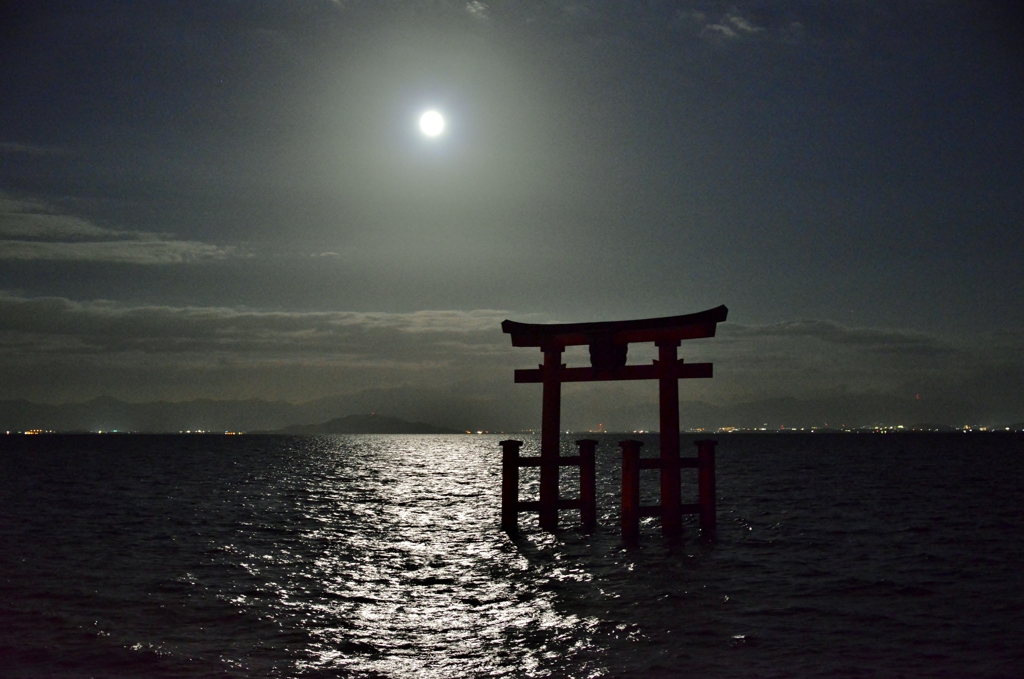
380,556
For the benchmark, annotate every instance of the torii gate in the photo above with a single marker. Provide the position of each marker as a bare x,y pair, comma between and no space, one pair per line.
609,342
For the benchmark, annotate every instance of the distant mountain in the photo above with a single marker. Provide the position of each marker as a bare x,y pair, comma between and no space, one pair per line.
366,424
109,414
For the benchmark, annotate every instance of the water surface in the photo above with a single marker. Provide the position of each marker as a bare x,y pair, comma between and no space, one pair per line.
381,556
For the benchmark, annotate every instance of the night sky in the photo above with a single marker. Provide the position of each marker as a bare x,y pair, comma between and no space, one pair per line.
233,200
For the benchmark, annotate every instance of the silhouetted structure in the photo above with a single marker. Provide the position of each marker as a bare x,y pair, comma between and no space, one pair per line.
609,344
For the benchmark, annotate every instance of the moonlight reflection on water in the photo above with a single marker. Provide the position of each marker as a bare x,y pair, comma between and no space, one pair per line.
417,582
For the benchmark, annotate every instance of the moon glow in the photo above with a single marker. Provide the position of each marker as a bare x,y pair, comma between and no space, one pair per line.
431,123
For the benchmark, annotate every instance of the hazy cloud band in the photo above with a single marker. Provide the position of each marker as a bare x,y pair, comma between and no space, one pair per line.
56,349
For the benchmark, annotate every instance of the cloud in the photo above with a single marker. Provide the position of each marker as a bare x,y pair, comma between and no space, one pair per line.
25,226
820,358
478,10
718,30
150,352
125,252
41,326
732,26
32,149
743,25
833,333
31,231
736,25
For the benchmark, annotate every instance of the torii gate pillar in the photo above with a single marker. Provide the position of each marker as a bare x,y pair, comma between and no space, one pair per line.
549,436
668,400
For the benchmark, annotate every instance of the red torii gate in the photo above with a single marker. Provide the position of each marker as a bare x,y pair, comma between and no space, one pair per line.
608,342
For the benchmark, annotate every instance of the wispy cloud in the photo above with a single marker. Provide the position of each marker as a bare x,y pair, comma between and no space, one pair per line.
737,24
478,10
19,225
31,231
743,25
732,26
124,252
32,149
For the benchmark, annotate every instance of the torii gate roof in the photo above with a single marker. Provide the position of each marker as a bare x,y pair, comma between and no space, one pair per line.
688,326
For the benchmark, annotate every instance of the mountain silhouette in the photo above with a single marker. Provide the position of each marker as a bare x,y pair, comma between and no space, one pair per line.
366,424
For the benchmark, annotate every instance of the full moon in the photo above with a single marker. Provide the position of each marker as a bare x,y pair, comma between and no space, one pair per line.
431,123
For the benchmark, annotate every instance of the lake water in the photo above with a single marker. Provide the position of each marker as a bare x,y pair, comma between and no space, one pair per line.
381,556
